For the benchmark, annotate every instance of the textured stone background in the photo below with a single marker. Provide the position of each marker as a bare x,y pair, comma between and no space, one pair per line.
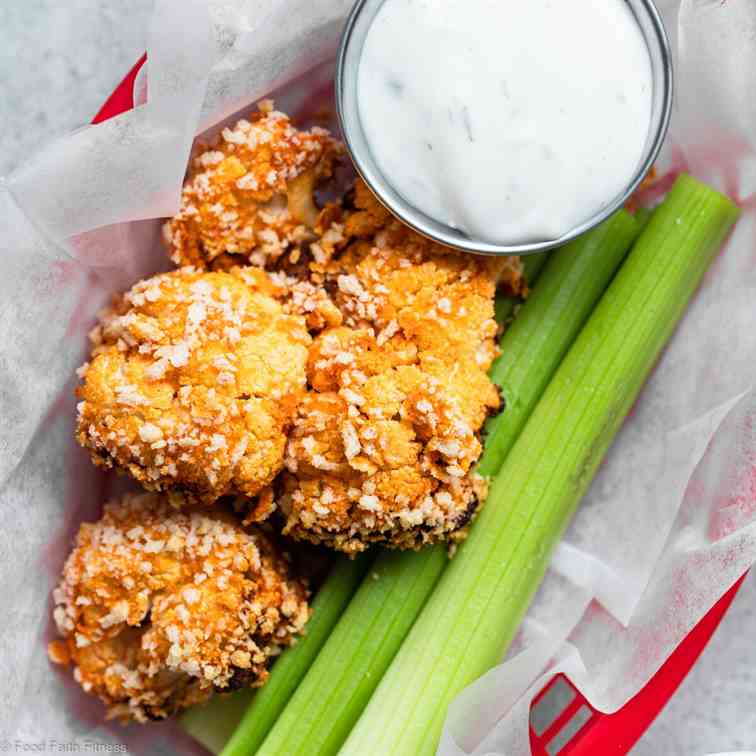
60,60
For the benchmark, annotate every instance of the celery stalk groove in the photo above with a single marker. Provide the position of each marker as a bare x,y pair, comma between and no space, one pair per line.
337,687
534,344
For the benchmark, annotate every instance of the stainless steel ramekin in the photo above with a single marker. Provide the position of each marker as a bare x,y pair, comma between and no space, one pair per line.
350,50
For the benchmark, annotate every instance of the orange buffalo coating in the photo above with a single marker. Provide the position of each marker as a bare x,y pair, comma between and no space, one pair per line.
384,444
158,608
193,384
357,365
249,197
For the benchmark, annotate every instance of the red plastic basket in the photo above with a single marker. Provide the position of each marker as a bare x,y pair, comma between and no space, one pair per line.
562,721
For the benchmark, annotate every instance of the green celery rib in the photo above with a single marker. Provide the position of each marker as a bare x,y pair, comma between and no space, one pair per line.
531,268
339,684
532,265
643,215
472,615
211,724
534,344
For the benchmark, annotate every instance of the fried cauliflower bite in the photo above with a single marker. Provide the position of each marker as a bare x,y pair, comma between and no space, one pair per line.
383,453
193,384
158,608
383,446
368,220
250,196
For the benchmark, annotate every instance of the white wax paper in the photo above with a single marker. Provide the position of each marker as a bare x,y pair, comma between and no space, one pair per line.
670,522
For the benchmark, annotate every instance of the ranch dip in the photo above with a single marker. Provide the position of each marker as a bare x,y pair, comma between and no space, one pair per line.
511,120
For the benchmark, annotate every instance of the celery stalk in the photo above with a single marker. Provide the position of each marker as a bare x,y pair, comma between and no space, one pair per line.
643,215
503,308
211,723
474,611
532,265
534,344
339,684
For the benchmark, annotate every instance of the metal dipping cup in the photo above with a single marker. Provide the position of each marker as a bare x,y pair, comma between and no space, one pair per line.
347,67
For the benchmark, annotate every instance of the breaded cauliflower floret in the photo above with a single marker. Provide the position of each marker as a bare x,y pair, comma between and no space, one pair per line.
250,196
368,220
193,384
383,453
383,446
159,608
442,302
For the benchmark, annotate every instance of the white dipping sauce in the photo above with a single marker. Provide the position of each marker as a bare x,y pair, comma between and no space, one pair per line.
514,121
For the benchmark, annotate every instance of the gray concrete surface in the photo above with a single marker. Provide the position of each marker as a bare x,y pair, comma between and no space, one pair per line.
60,60
714,710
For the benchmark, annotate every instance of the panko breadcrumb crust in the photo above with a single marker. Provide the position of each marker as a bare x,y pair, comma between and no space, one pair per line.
383,446
346,384
193,383
158,608
250,196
